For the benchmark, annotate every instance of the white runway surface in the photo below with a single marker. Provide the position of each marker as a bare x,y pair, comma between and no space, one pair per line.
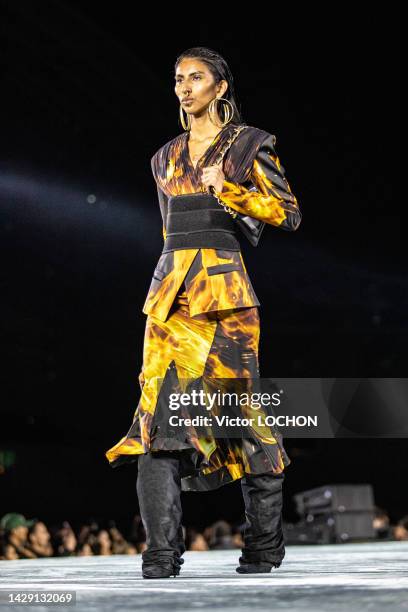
349,577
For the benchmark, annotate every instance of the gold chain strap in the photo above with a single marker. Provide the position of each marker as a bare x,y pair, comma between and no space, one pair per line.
229,142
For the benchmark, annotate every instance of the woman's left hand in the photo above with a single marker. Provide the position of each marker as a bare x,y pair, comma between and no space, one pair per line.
213,175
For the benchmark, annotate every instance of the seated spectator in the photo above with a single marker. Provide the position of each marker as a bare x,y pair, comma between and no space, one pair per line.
66,543
237,537
15,527
131,550
221,536
85,550
401,529
84,535
39,540
381,524
103,544
195,540
119,546
88,543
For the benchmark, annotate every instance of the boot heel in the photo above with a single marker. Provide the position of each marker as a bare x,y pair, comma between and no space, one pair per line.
162,569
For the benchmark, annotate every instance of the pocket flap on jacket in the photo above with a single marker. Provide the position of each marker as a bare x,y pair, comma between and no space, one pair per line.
221,268
159,274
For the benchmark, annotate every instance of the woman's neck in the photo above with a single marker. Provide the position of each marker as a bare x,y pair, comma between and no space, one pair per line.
202,129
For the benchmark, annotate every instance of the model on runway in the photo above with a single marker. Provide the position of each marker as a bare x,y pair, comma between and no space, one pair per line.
202,318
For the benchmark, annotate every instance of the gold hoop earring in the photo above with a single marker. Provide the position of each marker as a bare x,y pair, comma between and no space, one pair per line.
186,126
228,113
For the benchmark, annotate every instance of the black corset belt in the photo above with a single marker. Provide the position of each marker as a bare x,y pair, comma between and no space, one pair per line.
197,220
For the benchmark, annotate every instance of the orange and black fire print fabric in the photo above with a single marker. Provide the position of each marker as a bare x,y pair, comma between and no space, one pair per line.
203,319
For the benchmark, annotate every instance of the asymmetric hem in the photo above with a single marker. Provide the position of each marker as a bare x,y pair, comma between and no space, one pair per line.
214,344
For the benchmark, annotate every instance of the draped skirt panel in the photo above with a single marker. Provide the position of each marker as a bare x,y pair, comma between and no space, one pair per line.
213,345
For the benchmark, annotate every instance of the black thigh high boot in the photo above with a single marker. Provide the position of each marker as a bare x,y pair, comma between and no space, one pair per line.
263,537
159,493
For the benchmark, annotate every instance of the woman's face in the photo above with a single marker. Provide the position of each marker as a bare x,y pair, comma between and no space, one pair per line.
103,537
194,80
41,533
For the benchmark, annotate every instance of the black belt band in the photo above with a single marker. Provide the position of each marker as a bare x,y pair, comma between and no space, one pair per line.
198,221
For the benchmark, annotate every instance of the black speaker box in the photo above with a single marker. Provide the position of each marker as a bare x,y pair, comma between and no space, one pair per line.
335,498
334,528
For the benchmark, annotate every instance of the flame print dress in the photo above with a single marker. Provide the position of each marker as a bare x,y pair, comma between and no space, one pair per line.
202,313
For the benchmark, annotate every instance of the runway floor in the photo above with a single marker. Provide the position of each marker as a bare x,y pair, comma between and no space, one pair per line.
366,576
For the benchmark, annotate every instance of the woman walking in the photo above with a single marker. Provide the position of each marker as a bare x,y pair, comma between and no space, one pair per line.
218,182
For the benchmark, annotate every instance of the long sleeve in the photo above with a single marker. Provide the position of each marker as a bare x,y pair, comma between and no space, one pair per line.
155,162
273,201
163,199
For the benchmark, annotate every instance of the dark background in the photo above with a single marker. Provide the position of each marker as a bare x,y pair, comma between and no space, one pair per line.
88,97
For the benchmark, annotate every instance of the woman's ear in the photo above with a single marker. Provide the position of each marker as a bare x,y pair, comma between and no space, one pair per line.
223,87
